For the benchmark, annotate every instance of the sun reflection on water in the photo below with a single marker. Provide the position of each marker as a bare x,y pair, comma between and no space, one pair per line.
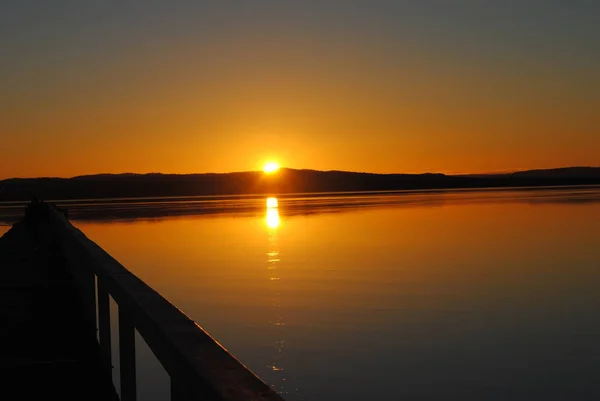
272,203
277,377
272,217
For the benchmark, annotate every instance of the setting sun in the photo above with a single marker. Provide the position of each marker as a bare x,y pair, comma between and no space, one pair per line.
270,167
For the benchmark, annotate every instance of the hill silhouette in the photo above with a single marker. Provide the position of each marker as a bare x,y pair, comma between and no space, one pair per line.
130,185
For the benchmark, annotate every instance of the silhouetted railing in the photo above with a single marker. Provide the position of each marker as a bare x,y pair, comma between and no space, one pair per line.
199,368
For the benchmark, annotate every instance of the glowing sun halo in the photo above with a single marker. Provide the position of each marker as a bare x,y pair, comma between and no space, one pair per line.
270,167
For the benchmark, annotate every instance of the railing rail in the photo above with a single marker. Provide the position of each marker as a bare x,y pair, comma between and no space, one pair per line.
199,367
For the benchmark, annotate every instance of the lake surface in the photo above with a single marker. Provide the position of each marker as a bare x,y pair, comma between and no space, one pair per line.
431,295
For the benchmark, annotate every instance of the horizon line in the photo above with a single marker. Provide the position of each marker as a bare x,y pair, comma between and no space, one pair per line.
446,173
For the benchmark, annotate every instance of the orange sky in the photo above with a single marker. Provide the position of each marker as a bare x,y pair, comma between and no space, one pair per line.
156,91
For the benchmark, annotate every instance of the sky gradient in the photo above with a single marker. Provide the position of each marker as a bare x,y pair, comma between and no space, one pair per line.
380,86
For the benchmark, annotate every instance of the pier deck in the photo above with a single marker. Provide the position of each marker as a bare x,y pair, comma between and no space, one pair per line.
47,350
55,324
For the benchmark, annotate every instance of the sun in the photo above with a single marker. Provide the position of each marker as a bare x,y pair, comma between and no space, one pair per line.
270,167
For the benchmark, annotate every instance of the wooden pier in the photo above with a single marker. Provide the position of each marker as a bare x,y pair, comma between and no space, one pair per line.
55,334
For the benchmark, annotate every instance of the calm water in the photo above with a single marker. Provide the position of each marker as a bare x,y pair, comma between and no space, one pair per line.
490,295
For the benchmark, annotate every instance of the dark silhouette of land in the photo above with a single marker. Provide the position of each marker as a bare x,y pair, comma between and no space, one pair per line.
103,186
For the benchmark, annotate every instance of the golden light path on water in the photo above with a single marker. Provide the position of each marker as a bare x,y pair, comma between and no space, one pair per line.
277,322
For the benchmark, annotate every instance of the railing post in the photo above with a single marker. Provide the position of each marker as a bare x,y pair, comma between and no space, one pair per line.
175,393
127,355
89,299
104,323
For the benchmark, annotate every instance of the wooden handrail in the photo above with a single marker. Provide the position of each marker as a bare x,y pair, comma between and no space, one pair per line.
199,367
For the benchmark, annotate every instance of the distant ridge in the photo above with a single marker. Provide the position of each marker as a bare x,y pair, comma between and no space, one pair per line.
132,185
561,172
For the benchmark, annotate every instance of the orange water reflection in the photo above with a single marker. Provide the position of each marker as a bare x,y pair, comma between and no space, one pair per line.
440,291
